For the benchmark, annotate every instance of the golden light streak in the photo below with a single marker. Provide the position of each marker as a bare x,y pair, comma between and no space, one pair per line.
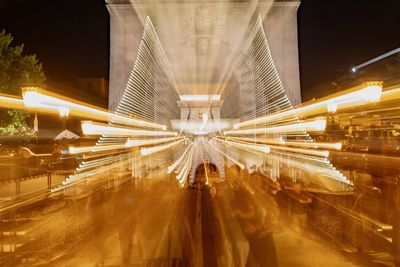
178,161
280,141
310,126
182,176
369,92
86,149
302,151
317,169
146,142
391,94
254,147
227,156
93,128
205,166
11,102
155,149
333,146
272,141
35,97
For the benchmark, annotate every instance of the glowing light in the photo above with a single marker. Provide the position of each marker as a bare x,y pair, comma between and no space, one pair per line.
204,123
92,128
184,172
37,98
10,101
252,147
179,160
315,125
146,142
272,141
302,151
200,97
280,141
370,92
155,149
86,149
205,167
227,156
63,111
336,146
391,94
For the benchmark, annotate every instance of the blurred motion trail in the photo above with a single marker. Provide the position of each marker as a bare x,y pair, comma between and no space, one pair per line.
154,223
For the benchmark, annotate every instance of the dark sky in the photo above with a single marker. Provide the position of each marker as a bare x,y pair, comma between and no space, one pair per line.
70,37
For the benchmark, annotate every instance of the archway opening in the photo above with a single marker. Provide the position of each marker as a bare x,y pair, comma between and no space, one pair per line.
210,169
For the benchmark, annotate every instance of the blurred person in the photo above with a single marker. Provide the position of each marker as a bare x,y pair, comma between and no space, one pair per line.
125,218
213,191
257,227
299,204
96,208
280,195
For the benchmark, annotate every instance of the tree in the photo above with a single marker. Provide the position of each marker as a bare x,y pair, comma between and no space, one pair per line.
16,70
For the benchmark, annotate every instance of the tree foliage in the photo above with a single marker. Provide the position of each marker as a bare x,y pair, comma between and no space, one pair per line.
16,70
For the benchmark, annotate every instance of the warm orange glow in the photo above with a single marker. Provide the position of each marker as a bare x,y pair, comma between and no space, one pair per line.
369,92
92,128
38,98
309,126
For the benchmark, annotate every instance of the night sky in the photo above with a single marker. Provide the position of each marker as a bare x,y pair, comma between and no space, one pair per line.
70,37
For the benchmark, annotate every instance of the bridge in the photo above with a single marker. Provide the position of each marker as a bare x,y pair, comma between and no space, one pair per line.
206,155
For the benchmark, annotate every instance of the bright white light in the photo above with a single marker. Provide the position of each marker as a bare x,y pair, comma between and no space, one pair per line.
371,92
36,99
274,141
91,128
144,142
336,146
86,149
178,161
63,111
251,147
316,125
332,107
9,101
228,157
200,97
155,149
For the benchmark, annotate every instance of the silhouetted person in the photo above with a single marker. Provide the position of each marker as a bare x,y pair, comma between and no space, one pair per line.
298,208
257,227
125,218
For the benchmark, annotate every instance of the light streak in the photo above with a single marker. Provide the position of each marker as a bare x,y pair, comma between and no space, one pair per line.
37,98
155,149
370,92
200,97
251,147
92,128
280,141
11,102
371,61
335,146
227,156
272,141
302,151
146,142
391,94
205,166
178,161
86,149
182,176
310,126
